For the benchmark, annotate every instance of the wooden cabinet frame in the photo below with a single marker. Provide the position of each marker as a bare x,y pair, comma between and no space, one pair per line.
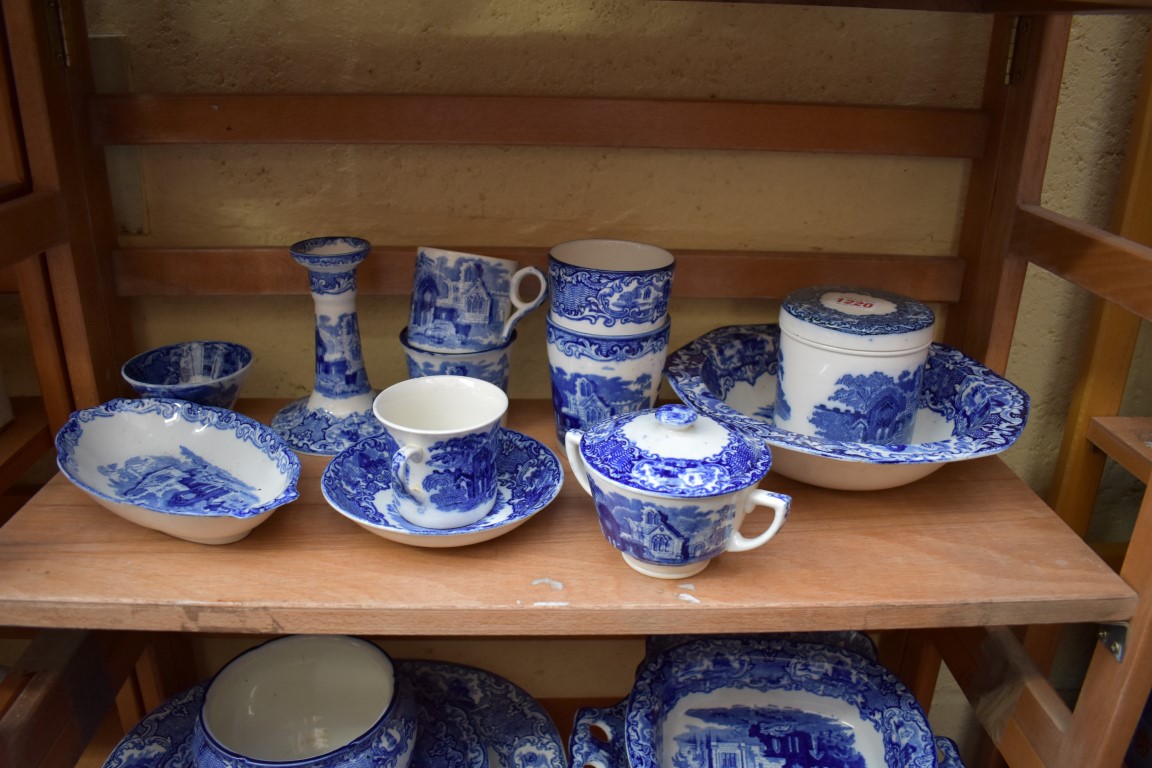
1004,228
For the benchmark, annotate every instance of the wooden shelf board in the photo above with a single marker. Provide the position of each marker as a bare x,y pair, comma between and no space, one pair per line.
388,271
23,441
970,545
1128,440
973,6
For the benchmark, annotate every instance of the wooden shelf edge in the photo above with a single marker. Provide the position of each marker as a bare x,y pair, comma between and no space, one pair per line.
1128,440
536,121
388,271
1021,7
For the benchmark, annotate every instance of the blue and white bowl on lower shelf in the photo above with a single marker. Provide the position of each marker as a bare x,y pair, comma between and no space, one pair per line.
966,411
199,473
753,702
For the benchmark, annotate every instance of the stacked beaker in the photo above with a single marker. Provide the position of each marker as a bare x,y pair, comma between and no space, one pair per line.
608,328
465,308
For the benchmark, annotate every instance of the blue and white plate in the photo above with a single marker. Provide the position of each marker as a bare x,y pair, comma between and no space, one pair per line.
468,718
357,485
731,701
966,411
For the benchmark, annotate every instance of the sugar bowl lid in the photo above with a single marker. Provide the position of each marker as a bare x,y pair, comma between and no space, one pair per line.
857,318
675,451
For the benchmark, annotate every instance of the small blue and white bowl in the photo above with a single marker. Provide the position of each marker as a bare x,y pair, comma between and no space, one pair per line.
306,701
965,411
198,473
672,488
203,372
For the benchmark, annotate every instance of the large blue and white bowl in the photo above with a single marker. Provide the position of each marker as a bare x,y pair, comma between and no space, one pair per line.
966,411
204,372
198,473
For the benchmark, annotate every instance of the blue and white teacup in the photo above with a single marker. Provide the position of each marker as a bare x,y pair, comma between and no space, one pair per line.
672,487
306,701
446,435
462,302
609,287
490,365
596,377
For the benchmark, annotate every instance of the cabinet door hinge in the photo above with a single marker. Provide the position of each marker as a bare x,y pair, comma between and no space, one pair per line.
1013,64
57,31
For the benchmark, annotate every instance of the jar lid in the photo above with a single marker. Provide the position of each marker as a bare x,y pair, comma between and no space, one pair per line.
674,451
858,319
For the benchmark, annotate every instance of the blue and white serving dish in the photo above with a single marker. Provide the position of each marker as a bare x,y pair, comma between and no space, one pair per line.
357,483
204,372
466,718
966,411
760,702
195,472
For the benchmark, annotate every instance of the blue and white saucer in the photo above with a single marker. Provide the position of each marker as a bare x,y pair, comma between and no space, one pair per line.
468,718
357,485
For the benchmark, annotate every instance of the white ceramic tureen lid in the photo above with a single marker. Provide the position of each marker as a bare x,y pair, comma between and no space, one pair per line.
675,451
857,319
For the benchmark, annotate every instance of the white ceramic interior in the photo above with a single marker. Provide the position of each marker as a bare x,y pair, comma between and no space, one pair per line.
299,697
433,404
612,255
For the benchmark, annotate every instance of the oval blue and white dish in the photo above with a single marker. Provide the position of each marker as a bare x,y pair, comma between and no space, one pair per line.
357,485
731,701
466,718
966,411
195,472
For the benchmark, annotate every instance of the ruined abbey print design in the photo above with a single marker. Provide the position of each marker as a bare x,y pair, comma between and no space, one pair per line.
458,304
186,484
686,533
772,737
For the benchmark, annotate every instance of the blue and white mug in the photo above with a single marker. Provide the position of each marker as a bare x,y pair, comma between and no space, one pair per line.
596,377
609,287
446,435
462,302
488,364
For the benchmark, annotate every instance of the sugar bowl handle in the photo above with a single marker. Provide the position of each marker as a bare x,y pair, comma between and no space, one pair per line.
572,442
779,503
597,739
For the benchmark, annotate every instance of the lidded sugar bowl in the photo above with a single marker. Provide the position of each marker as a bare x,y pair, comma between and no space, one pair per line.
851,363
672,487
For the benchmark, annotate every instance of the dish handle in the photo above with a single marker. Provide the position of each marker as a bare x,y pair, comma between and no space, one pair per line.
948,753
597,739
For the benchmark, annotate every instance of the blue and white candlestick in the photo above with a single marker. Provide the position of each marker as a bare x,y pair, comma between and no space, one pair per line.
338,413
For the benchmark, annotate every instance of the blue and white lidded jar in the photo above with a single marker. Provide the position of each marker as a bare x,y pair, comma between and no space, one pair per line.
851,362
672,487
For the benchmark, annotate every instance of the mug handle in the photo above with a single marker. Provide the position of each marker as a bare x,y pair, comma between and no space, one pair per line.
402,472
523,307
597,739
780,505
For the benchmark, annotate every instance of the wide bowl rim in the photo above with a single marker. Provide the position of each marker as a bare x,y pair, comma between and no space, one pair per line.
135,381
285,459
1000,433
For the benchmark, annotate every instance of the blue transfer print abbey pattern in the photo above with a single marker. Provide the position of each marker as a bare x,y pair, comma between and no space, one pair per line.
606,297
907,315
790,737
494,371
581,399
876,408
458,302
185,484
984,412
661,534
340,370
448,486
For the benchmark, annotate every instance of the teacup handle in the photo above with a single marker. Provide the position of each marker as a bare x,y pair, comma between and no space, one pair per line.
778,502
523,307
402,471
